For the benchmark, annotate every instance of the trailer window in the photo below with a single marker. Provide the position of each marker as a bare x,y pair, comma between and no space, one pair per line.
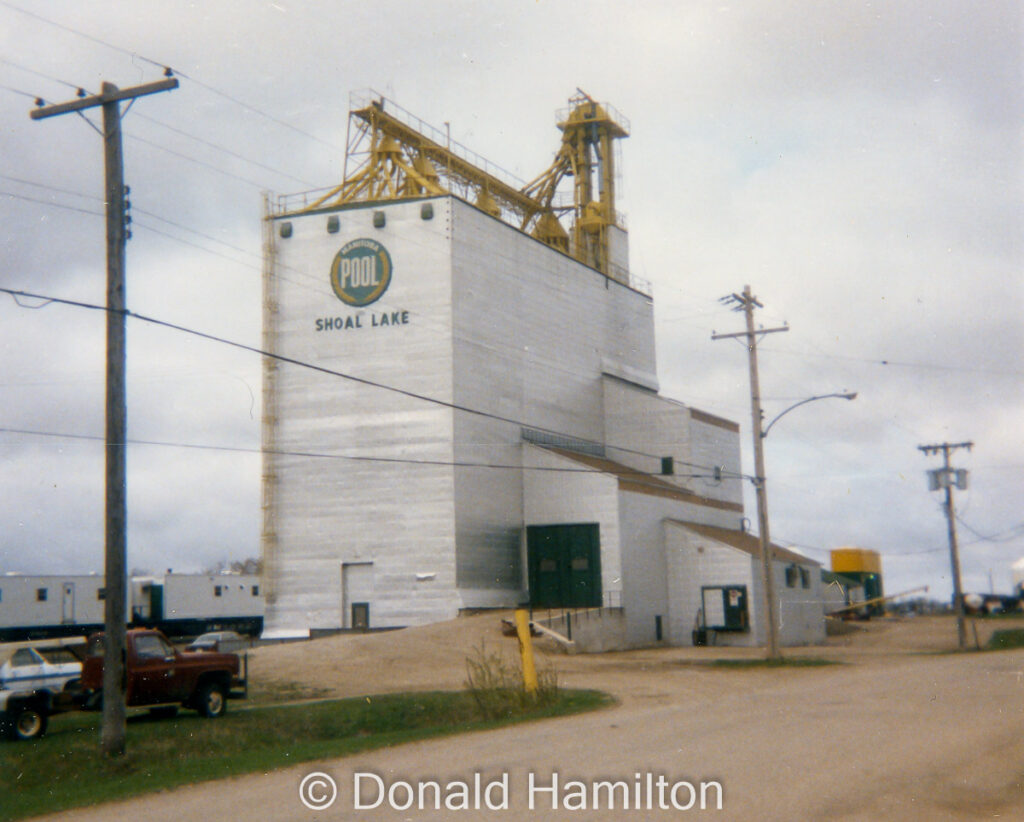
41,595
805,578
101,593
216,590
255,590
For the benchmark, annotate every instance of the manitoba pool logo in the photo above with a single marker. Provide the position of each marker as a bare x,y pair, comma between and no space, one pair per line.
361,272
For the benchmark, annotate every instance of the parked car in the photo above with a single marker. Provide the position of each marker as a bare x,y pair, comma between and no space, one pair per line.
23,714
43,664
37,679
226,642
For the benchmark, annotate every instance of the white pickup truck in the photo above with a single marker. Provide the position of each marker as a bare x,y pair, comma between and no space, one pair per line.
36,679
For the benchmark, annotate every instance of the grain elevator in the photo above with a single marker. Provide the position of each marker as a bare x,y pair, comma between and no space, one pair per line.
462,408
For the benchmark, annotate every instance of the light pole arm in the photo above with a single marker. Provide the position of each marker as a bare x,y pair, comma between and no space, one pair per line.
845,396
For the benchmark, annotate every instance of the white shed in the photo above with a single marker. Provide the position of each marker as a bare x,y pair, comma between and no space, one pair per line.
716,583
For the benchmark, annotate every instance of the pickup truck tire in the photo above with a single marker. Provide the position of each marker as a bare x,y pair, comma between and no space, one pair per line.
211,700
26,722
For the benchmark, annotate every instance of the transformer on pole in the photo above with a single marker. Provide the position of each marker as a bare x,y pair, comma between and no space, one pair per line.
944,479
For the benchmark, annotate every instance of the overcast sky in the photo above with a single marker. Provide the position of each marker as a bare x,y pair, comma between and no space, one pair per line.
858,164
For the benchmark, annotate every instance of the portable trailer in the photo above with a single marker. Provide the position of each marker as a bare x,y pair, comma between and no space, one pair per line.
191,604
37,607
181,605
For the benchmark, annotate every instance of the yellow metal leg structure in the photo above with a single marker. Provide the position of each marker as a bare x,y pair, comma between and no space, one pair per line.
526,650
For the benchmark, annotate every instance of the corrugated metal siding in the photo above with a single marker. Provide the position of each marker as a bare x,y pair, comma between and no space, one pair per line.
496,322
801,611
328,510
647,588
712,445
561,493
693,562
488,511
640,420
531,328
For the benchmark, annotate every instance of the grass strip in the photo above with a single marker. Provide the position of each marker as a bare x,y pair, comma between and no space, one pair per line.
65,769
1006,639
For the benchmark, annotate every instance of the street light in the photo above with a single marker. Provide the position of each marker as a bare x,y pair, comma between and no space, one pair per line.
850,395
746,303
772,639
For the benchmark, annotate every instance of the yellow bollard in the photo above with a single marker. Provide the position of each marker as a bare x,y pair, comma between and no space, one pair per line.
526,650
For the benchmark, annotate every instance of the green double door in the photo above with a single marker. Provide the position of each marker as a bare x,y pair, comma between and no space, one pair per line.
564,564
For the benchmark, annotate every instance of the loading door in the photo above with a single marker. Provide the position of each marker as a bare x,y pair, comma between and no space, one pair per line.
67,604
725,607
564,565
356,594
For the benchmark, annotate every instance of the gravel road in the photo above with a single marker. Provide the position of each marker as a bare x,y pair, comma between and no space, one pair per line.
896,732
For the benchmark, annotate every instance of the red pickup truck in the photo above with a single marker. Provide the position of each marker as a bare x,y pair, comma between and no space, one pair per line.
158,676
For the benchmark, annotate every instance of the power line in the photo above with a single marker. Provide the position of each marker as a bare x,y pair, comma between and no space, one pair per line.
1008,535
165,66
313,284
224,149
161,124
255,110
899,364
134,209
49,77
139,224
19,91
218,169
51,203
328,371
51,188
321,455
70,30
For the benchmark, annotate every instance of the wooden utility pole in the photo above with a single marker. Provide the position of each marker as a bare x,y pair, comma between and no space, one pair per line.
945,478
746,302
115,583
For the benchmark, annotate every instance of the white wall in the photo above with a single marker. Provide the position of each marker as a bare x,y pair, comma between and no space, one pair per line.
647,577
326,510
531,330
638,419
801,611
694,561
716,442
493,321
562,492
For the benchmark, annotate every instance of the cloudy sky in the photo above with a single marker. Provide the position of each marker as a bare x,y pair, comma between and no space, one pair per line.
859,164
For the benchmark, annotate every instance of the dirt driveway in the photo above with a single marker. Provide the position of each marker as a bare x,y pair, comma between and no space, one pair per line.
897,732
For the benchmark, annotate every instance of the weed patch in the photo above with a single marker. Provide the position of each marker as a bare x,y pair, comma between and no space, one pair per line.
496,685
